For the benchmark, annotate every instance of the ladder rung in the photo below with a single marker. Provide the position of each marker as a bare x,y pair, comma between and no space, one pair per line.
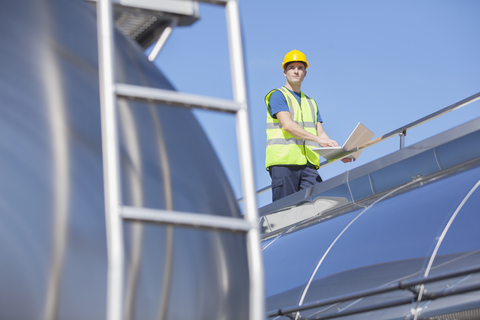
185,219
176,98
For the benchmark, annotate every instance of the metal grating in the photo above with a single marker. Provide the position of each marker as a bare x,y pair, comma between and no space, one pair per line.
146,22
473,314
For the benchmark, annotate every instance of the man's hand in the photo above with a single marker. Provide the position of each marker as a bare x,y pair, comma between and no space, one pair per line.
323,139
327,142
295,130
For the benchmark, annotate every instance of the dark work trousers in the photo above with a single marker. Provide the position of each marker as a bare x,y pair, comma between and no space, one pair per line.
290,179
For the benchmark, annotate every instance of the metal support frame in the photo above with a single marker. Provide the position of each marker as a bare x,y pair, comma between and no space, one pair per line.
161,40
115,214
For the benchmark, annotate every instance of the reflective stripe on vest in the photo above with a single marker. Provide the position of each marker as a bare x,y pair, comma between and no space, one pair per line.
279,125
282,147
292,140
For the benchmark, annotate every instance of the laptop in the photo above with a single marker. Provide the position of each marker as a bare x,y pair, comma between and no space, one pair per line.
358,137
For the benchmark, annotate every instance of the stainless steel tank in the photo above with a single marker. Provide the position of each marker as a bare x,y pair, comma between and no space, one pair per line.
53,261
397,238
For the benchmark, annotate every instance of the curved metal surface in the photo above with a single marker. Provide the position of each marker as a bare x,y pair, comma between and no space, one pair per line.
52,223
414,215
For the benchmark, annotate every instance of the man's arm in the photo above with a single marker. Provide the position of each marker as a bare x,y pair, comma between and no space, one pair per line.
298,132
321,133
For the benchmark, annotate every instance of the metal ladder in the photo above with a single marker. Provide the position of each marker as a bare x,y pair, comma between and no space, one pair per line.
116,213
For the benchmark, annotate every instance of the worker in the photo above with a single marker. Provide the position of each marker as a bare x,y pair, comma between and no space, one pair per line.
294,127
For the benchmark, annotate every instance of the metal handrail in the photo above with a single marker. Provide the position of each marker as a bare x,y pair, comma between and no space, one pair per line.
402,131
401,285
398,302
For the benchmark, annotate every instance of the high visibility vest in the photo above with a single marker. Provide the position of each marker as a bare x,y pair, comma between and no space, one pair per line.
282,147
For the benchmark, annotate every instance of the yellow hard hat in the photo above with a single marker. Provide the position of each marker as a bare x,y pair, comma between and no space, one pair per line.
294,56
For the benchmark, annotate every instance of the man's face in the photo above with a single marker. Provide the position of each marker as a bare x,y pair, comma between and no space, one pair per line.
295,72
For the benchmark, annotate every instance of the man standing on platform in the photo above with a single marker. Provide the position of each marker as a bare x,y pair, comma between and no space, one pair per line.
294,127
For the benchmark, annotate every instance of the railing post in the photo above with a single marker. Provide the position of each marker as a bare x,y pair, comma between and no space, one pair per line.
402,138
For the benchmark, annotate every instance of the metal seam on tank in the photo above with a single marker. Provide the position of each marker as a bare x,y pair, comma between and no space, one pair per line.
348,186
55,102
437,158
445,230
277,237
164,165
167,187
221,261
415,311
307,286
135,173
372,187
163,156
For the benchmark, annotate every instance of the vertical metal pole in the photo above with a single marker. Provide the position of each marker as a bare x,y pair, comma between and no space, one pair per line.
257,295
111,165
402,139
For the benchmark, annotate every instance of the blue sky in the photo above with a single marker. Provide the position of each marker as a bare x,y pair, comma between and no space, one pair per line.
382,63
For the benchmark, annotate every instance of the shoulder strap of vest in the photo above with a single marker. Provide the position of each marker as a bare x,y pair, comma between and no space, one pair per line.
311,104
288,98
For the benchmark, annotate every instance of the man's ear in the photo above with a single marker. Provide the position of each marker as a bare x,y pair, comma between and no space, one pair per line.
284,72
305,74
